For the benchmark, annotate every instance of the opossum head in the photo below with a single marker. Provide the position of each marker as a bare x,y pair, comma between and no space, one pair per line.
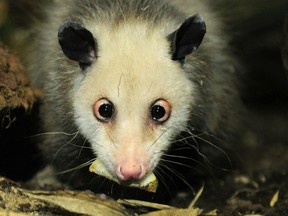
131,96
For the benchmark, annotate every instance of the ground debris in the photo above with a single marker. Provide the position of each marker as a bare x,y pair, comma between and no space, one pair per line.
15,200
19,201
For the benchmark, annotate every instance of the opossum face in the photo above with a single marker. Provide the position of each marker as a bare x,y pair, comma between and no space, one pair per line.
133,98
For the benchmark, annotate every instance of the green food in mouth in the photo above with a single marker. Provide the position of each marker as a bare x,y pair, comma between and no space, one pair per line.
149,183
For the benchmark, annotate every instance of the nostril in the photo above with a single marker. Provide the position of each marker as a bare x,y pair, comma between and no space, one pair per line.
128,172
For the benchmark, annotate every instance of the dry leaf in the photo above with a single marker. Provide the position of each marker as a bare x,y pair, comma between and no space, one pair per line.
274,199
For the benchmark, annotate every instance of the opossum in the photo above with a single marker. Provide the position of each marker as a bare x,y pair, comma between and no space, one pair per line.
128,81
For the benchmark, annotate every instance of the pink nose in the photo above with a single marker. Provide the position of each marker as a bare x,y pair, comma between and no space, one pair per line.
128,172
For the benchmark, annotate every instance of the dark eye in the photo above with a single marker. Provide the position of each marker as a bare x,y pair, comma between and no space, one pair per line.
160,111
103,110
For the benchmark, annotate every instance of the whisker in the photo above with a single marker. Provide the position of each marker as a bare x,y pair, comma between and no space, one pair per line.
67,143
87,163
99,179
183,164
213,145
112,141
158,137
203,133
197,136
52,133
219,149
176,163
159,175
179,175
82,147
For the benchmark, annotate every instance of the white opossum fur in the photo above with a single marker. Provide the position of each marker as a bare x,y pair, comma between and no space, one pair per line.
131,66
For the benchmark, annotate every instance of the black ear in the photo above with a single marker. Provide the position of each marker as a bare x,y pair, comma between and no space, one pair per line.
187,37
77,43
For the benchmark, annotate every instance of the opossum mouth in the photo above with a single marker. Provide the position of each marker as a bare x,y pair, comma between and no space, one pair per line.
149,183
